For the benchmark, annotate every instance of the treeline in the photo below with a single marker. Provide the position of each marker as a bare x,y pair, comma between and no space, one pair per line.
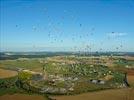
4,56
16,55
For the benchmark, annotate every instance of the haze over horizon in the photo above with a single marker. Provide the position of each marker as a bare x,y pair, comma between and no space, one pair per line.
61,25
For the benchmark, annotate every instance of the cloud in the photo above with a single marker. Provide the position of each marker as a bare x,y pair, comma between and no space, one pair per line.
116,34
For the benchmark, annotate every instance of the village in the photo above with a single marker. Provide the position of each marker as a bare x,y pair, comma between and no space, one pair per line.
66,77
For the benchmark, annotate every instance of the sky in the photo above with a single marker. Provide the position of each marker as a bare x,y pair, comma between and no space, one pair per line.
67,25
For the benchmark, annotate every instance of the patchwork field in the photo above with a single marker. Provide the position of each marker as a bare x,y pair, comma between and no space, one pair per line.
67,75
7,73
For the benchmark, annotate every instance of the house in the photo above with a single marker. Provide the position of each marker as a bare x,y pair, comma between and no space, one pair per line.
101,82
95,81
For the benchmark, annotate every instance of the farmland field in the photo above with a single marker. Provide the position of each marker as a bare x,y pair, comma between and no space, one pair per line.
22,97
96,77
120,94
26,63
7,73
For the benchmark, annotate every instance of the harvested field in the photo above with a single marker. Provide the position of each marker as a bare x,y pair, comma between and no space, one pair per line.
130,77
22,97
129,58
130,71
7,73
115,94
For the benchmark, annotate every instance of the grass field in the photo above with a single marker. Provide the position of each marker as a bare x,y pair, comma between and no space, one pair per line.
33,64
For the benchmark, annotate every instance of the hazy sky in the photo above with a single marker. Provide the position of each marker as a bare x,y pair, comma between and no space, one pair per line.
67,25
